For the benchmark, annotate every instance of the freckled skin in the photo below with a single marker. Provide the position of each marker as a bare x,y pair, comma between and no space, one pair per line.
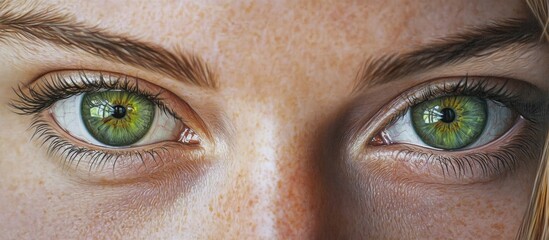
286,70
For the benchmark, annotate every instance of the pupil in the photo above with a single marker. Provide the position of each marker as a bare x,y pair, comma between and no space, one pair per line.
118,111
448,115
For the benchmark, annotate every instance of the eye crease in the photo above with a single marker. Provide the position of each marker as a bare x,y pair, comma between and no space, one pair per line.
473,127
94,118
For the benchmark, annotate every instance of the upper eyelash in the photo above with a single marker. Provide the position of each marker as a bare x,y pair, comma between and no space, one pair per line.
33,100
478,88
59,87
503,160
465,87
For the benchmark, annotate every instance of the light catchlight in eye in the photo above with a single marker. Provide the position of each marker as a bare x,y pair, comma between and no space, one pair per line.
68,114
447,125
496,121
133,129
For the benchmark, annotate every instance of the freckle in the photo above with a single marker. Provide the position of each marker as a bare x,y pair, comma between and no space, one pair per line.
251,202
498,226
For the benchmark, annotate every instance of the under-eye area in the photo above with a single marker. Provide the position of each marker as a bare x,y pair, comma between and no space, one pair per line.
110,127
459,130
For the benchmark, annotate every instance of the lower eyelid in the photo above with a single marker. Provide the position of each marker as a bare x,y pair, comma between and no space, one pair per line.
497,159
184,149
109,166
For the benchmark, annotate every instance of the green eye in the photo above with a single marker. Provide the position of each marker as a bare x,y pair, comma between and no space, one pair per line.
117,118
451,122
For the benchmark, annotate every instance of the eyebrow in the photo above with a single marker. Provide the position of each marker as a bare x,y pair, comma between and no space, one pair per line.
51,26
475,42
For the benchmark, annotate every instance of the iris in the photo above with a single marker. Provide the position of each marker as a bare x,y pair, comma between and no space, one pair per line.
451,122
117,118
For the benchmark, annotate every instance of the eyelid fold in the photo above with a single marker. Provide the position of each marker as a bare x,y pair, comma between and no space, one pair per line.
522,97
54,86
124,163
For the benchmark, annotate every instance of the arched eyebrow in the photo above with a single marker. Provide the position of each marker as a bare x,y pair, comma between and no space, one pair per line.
476,42
51,26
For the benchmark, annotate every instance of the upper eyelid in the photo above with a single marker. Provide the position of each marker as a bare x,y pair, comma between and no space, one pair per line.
45,93
467,163
164,98
495,88
523,94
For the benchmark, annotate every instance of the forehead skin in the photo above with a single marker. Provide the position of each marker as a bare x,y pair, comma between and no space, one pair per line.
285,71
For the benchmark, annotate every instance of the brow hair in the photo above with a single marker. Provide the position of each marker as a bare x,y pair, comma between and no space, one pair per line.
50,25
476,42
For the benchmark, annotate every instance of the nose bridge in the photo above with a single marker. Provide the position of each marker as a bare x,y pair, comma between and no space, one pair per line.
279,161
278,105
298,191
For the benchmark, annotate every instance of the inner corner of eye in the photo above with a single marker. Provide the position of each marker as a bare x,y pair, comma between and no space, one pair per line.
380,139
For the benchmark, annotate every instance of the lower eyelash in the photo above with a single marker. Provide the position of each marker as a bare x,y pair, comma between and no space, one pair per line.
506,159
58,146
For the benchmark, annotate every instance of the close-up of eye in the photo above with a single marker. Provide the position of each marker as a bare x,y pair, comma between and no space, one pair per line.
454,125
451,123
117,118
83,116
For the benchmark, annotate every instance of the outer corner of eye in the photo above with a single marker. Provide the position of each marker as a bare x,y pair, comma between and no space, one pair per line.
449,123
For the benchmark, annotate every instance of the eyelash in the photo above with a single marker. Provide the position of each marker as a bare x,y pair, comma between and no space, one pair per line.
58,87
479,88
505,158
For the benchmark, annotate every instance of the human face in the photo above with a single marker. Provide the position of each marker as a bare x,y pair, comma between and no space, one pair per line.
284,119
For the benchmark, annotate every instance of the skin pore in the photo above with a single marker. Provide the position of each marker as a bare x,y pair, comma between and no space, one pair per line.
284,124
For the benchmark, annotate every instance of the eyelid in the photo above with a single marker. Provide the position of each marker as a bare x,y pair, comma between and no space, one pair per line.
523,97
73,82
472,166
95,165
42,93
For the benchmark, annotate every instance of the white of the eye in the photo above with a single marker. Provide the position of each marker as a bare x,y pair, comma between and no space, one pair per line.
67,114
498,120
